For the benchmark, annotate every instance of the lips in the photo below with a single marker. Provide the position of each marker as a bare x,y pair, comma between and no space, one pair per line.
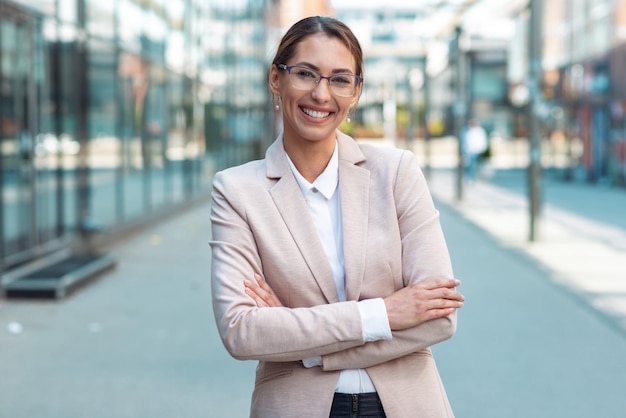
315,113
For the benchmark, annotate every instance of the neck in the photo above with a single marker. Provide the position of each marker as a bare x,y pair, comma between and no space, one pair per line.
311,159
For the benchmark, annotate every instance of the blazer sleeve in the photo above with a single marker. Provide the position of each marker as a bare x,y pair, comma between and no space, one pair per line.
424,254
270,334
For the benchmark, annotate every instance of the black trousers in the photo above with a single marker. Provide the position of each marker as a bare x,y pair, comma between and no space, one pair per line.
357,405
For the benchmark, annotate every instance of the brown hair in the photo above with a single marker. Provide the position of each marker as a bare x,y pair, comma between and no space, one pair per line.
319,24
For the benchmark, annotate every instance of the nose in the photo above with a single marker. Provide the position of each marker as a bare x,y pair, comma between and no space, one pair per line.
321,92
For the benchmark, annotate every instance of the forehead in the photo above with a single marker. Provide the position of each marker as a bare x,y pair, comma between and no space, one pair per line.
325,52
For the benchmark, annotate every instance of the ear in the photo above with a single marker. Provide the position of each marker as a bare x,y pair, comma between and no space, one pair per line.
274,80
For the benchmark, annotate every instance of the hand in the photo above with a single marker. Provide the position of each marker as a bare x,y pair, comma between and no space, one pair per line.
262,293
423,301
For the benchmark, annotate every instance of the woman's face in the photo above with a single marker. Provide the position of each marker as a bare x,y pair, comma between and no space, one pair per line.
314,115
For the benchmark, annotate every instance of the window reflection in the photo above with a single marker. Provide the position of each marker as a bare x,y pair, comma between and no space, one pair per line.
130,26
142,99
100,18
67,11
45,6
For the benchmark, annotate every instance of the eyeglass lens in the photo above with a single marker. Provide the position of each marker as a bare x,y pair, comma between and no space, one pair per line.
305,79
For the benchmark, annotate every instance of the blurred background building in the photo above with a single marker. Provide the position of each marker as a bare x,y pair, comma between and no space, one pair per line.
113,113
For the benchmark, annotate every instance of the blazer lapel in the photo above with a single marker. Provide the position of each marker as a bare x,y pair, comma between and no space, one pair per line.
354,183
290,203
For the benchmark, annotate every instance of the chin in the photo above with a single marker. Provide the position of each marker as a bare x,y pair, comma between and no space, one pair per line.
320,137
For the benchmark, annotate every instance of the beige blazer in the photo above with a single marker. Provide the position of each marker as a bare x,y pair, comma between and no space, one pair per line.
392,237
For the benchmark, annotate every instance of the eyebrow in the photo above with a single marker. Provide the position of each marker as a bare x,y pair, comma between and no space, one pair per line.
334,71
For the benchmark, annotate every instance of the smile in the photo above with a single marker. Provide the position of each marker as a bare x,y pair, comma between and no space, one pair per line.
315,114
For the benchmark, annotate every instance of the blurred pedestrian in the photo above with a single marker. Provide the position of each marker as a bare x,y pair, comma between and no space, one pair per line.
329,263
475,144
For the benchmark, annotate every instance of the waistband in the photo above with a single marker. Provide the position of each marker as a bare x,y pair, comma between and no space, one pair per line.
362,403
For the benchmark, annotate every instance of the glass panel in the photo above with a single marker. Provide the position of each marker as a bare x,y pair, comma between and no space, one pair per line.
17,137
67,11
33,146
67,110
175,47
104,145
47,153
183,92
130,20
100,18
154,135
132,75
155,28
177,127
9,134
45,6
196,149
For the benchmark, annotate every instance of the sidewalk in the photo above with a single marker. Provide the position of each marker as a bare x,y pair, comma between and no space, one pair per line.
526,345
543,331
141,341
581,231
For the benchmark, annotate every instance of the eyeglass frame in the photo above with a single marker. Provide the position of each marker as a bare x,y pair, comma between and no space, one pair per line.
288,68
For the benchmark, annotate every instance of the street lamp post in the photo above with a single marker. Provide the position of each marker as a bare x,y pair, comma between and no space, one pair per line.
427,138
459,107
534,134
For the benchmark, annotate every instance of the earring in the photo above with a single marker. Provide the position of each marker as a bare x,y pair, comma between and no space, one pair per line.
277,105
277,108
348,120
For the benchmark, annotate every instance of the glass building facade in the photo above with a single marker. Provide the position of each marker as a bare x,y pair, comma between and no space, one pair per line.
584,60
113,112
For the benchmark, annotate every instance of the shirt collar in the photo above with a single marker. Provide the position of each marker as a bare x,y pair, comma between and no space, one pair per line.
325,183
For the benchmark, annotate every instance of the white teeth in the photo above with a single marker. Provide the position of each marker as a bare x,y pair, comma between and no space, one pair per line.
315,114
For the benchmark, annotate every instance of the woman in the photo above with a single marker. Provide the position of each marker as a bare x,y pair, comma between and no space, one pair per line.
329,264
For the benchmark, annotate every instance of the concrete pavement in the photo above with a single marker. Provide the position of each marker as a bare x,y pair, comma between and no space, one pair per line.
141,341
581,231
534,338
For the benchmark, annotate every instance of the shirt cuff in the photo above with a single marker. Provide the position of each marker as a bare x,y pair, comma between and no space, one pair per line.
374,320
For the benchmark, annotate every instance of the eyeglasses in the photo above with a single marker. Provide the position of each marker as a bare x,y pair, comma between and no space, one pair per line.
303,78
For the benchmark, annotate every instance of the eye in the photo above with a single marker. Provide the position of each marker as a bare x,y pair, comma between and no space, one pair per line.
341,80
305,73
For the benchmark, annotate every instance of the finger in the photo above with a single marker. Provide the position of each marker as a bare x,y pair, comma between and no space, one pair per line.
438,313
259,279
435,283
253,288
446,304
260,287
435,304
268,293
256,298
263,283
263,287
445,293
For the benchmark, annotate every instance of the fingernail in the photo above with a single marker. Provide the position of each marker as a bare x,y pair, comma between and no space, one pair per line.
458,282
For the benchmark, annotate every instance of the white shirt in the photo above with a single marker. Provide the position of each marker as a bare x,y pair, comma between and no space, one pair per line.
323,200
